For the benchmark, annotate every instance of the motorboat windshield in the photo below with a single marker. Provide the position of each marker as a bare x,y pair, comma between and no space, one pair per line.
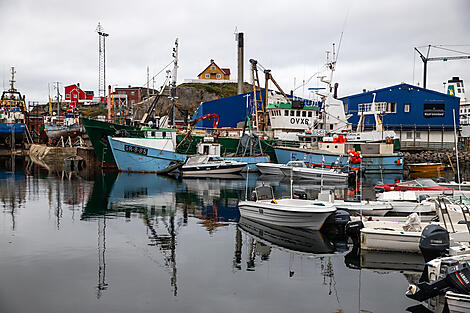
264,193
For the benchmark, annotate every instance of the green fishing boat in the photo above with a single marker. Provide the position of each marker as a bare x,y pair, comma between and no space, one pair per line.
98,132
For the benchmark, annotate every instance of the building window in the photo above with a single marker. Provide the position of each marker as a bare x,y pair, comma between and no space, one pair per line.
459,90
310,114
218,76
67,97
407,107
417,135
393,107
208,76
458,84
292,113
409,135
286,112
297,113
212,67
304,114
75,96
132,93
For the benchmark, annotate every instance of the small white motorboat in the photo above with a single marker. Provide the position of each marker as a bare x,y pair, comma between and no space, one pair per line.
203,165
319,174
404,203
465,185
269,168
356,207
285,212
286,169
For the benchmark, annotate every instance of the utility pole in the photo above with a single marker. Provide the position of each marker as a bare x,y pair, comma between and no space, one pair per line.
426,59
102,60
58,100
148,82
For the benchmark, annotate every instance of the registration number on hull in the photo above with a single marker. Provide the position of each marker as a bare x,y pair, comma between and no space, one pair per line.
134,149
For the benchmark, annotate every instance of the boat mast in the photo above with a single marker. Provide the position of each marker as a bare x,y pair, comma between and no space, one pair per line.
173,82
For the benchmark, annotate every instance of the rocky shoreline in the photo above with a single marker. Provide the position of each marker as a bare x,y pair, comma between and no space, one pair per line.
438,157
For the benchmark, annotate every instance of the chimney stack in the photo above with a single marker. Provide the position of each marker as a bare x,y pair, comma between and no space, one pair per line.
240,62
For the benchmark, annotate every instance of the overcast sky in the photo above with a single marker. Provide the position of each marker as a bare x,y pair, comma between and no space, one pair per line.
52,40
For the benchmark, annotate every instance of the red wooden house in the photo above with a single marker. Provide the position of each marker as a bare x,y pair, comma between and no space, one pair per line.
75,95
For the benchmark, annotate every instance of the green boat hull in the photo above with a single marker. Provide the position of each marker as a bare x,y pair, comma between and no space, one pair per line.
98,132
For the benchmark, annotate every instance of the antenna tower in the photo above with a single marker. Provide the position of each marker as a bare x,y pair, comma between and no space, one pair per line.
102,60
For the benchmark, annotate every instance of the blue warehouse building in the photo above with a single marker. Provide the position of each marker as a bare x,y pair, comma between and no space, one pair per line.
421,118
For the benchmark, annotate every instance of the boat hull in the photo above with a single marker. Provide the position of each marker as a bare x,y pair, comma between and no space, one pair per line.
251,160
457,302
390,240
391,163
131,157
275,214
7,129
320,175
98,132
269,168
209,169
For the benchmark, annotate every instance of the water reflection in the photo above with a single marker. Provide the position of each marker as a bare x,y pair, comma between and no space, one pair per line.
127,238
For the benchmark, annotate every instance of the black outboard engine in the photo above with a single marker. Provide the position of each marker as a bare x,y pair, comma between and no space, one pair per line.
434,242
341,219
456,278
353,230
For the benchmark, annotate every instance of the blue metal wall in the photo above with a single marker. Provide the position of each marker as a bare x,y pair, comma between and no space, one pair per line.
406,94
231,110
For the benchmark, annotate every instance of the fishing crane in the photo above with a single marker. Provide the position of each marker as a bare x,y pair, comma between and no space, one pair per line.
259,105
426,58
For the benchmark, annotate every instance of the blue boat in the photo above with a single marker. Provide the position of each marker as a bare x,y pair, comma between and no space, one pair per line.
153,154
371,163
12,114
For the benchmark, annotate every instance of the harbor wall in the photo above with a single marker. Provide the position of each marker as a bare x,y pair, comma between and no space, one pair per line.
441,156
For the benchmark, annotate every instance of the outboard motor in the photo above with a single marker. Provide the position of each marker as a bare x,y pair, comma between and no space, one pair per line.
456,278
434,242
341,219
353,230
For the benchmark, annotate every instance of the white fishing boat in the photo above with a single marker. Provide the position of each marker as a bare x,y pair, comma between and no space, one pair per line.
204,165
285,212
269,168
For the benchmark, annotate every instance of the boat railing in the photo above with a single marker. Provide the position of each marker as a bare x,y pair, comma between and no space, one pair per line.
12,103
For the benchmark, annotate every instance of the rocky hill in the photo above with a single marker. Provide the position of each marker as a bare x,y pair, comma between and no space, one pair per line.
190,96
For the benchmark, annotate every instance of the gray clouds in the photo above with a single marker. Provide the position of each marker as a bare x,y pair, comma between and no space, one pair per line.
56,41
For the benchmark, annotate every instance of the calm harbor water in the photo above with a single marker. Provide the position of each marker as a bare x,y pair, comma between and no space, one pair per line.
145,243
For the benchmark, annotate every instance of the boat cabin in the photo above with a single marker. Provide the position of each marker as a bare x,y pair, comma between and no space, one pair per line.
208,148
262,193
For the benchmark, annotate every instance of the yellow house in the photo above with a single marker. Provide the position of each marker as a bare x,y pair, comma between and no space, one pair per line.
214,72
